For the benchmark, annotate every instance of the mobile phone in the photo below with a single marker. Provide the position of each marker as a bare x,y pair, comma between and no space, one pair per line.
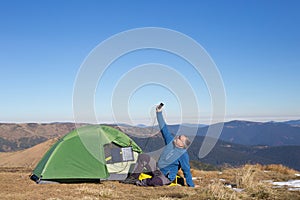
160,105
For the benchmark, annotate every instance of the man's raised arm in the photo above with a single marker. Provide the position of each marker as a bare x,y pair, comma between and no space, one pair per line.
163,127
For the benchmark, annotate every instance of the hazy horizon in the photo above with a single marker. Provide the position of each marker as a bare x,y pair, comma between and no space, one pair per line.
169,122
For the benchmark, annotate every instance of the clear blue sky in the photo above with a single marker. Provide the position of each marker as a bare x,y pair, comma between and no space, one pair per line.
255,45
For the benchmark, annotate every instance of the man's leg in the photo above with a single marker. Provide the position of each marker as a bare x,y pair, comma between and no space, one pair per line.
144,161
158,179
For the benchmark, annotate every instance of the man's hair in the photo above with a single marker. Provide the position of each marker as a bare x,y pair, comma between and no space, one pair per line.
187,142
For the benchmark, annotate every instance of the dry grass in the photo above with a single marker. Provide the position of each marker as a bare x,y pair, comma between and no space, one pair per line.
249,177
253,179
219,191
15,184
279,168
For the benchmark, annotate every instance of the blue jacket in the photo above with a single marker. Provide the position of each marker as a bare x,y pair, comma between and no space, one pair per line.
173,158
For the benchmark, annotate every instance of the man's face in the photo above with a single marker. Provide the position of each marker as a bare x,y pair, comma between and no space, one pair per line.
179,141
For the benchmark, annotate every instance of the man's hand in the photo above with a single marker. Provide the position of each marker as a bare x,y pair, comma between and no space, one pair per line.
158,108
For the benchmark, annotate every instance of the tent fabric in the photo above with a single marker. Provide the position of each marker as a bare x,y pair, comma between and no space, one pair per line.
80,154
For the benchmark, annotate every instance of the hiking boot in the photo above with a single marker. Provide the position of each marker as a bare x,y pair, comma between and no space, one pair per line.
141,182
130,180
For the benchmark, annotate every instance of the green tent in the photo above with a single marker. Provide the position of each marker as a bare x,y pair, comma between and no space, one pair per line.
89,153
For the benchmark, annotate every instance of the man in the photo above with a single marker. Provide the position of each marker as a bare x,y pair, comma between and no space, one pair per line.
173,158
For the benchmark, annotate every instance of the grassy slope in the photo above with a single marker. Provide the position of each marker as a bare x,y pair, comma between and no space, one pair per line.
27,158
15,183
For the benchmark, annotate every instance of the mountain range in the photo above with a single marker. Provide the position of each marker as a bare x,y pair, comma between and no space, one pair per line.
252,133
226,153
240,142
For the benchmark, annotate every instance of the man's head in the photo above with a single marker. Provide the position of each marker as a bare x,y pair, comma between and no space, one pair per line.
181,141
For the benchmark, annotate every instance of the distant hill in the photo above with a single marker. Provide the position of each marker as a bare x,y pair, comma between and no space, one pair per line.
279,148
257,133
25,158
265,143
237,155
226,153
293,122
14,137
252,133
